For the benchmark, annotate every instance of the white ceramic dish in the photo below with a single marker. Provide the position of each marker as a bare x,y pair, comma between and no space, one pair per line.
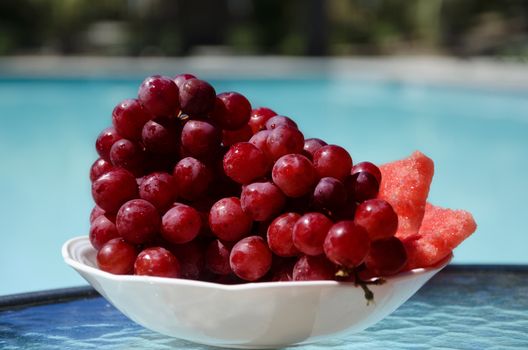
252,315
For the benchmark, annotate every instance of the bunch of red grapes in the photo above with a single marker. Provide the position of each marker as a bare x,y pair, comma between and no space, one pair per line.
195,185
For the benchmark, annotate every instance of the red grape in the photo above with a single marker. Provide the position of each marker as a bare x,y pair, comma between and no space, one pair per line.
138,221
157,261
280,235
333,161
182,78
159,189
260,139
192,178
367,167
159,137
294,174
262,200
259,117
386,257
180,224
197,97
282,272
203,207
128,118
311,146
347,244
191,258
309,233
101,231
329,194
244,162
228,221
284,140
113,189
378,218
232,110
99,167
236,169
104,142
117,256
313,268
127,155
230,137
250,258
229,279
361,186
217,258
279,120
159,95
200,138
95,213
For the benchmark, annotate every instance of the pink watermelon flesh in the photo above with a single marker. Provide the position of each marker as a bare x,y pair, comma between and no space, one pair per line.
442,230
405,185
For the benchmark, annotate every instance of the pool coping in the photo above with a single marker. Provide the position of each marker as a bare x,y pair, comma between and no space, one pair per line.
44,297
479,72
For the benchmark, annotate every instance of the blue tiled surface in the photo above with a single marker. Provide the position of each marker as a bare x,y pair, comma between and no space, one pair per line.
485,309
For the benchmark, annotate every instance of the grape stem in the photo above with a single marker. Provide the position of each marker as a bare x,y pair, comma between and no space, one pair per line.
358,281
183,117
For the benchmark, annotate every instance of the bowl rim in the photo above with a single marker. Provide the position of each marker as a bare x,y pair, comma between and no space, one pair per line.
228,287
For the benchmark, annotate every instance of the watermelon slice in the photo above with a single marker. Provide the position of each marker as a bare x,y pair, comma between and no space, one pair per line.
442,231
405,185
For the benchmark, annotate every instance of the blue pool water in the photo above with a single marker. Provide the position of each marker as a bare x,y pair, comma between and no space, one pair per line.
477,137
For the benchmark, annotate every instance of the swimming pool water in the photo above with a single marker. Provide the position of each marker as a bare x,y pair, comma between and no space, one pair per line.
477,137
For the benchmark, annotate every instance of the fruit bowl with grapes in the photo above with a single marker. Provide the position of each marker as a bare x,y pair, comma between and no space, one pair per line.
220,223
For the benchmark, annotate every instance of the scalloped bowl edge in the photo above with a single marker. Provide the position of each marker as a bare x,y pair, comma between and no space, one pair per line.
251,315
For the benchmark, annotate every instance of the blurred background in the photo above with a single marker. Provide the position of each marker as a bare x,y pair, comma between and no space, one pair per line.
380,77
265,27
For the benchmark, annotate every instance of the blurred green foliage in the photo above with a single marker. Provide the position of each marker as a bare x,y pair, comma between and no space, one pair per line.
294,27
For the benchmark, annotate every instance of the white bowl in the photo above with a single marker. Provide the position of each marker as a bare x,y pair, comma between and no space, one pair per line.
252,315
